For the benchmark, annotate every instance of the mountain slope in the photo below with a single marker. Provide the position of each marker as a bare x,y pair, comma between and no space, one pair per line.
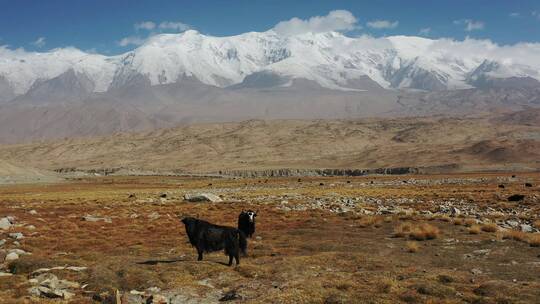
489,142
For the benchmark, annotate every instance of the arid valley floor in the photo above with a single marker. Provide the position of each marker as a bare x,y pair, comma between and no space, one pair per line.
371,239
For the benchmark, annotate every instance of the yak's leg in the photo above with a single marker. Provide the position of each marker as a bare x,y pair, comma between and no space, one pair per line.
200,251
237,258
230,259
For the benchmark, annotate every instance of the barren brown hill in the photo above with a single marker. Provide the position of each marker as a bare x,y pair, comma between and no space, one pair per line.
472,143
17,173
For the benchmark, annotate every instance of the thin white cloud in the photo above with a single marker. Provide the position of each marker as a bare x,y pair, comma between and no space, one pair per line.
338,20
470,25
145,25
131,40
177,26
425,31
40,42
514,15
536,14
382,24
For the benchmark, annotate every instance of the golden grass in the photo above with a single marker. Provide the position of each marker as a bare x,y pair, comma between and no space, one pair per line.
515,235
368,221
475,229
534,239
403,229
412,246
420,232
469,222
459,222
424,232
490,227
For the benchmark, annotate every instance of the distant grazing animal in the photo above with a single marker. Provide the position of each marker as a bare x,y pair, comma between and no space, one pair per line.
207,237
246,222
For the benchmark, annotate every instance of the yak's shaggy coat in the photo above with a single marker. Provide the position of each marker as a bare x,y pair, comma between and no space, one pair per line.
207,237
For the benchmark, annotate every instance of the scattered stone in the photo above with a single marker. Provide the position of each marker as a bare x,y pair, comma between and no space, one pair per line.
16,235
72,268
49,286
33,212
516,198
512,223
526,228
203,197
12,256
6,223
476,271
230,296
92,218
454,211
31,227
18,251
153,216
2,242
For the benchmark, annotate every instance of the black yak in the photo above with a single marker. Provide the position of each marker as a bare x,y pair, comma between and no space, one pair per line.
207,237
246,222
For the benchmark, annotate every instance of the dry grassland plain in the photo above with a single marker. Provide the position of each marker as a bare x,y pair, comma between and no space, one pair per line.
372,239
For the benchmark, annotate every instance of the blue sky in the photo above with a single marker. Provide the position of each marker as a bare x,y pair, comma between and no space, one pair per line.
110,27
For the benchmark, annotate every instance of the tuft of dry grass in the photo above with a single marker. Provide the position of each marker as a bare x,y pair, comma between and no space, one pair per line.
534,239
490,227
536,224
368,221
469,222
515,235
459,222
403,229
412,246
475,229
424,232
387,285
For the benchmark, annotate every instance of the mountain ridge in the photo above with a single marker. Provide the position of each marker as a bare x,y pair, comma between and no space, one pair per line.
331,59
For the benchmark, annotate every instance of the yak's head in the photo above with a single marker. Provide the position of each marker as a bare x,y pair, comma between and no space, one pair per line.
187,220
250,214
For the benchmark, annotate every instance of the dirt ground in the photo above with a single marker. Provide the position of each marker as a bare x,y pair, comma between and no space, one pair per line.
372,239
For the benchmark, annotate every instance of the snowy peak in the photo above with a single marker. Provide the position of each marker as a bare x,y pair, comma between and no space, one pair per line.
267,59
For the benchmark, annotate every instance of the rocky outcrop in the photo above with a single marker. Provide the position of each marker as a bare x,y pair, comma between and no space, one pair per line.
318,172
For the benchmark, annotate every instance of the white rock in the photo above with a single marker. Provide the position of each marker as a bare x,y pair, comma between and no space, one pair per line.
92,218
203,197
12,256
18,251
154,216
5,223
16,235
33,212
526,228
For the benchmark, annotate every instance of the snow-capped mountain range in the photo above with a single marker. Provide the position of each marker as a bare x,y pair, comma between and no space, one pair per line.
190,77
332,60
